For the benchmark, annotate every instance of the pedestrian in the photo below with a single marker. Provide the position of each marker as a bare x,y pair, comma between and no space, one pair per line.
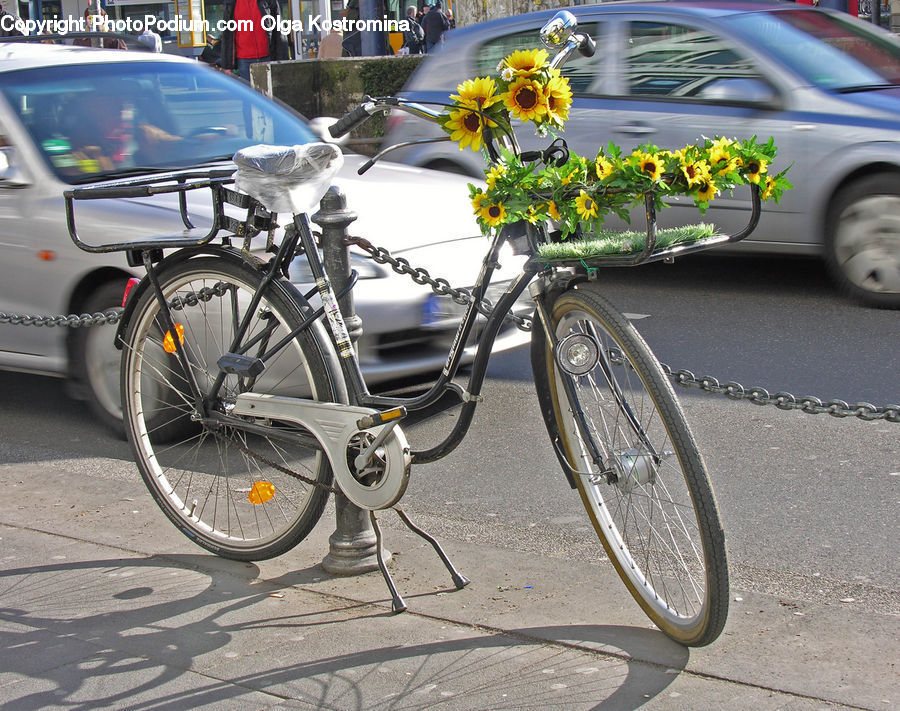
414,37
149,39
331,45
450,19
435,25
11,27
251,42
352,42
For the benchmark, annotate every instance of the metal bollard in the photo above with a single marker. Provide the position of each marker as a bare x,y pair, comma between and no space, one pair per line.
352,546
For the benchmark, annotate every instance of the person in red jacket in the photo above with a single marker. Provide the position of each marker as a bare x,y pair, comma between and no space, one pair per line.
252,43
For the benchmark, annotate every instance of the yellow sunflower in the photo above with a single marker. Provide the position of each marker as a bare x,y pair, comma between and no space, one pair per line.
696,172
475,93
649,165
478,201
558,95
465,128
769,190
493,214
707,191
525,99
552,210
755,169
525,62
604,167
495,172
585,206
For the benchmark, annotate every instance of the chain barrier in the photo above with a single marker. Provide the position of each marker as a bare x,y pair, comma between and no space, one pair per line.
684,378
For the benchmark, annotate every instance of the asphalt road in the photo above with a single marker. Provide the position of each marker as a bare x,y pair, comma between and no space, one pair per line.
809,502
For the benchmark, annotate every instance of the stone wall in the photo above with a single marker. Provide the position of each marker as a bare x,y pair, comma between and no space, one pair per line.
468,12
331,87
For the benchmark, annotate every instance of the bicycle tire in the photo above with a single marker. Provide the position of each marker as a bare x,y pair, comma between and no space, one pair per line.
232,504
658,521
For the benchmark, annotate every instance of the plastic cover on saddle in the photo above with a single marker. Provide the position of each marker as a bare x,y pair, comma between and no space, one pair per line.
289,179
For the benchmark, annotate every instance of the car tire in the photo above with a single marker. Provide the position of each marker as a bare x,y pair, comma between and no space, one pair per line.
862,240
95,359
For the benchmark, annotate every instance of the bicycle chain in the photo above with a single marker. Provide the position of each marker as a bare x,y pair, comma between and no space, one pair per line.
275,465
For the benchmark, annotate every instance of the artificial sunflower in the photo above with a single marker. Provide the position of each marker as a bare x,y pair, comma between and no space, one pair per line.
465,128
552,210
586,206
755,169
768,191
498,170
558,95
720,151
478,200
707,191
604,167
696,172
477,93
525,99
649,165
525,62
493,214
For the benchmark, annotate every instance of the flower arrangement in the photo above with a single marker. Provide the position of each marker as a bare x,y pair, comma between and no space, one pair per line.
582,191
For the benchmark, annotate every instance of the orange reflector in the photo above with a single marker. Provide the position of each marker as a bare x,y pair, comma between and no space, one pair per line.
261,492
46,255
168,343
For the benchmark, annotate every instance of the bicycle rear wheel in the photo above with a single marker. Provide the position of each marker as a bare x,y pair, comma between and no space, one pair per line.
651,503
232,503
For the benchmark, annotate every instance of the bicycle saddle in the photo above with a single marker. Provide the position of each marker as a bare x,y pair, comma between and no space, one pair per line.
288,179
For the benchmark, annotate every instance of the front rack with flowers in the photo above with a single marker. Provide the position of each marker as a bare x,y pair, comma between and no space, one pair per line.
575,193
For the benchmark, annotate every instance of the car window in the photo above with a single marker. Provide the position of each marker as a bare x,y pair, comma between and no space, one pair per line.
579,70
670,60
828,50
99,120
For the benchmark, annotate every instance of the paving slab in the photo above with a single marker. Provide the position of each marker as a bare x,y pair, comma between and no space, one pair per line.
103,604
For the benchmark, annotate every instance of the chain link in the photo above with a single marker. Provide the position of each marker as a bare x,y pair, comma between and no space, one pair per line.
439,286
760,396
735,391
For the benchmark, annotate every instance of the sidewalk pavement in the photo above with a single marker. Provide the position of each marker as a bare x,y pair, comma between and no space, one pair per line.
104,605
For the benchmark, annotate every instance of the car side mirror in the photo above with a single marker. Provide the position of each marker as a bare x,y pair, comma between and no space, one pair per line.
746,92
319,126
559,29
11,174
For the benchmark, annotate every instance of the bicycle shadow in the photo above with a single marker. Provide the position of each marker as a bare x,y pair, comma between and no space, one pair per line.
194,630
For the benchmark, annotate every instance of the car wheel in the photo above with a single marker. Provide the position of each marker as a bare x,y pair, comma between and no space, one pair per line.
863,240
95,358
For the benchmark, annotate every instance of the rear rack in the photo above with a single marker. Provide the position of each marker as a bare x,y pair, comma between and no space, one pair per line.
625,250
258,219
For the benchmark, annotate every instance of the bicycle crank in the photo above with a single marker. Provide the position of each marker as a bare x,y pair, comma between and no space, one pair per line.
371,466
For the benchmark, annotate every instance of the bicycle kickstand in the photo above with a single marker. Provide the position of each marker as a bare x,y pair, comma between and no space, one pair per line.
398,604
460,581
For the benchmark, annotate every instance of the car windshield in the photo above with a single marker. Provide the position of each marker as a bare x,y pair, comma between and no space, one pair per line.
94,121
829,51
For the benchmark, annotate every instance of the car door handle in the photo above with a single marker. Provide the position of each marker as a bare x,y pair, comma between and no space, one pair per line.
634,129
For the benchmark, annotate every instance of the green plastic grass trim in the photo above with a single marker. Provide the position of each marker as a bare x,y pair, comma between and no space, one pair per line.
609,243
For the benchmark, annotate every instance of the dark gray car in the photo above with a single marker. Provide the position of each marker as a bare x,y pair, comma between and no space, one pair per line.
823,84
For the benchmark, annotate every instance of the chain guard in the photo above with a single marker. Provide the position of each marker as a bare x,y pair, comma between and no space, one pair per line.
383,482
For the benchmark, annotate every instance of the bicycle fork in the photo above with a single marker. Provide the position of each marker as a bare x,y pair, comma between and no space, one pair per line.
586,355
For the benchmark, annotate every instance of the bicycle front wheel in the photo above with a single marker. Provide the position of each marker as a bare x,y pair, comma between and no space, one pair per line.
224,487
648,496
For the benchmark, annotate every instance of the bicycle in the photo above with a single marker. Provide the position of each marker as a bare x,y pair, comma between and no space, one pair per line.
244,401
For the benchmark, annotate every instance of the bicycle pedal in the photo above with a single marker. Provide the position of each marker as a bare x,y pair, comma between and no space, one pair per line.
380,418
237,364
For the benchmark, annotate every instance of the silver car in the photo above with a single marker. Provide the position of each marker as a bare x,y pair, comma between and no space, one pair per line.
823,84
72,116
